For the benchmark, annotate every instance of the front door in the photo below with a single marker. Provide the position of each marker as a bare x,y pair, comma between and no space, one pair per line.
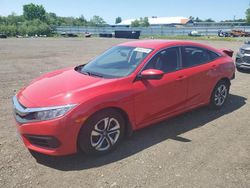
156,99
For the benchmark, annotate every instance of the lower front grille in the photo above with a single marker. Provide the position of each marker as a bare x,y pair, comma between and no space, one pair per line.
43,141
247,51
246,59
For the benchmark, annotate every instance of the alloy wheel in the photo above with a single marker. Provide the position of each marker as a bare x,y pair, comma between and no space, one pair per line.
220,95
105,134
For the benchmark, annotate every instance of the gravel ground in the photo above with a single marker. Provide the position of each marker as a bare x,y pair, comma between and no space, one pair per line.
201,148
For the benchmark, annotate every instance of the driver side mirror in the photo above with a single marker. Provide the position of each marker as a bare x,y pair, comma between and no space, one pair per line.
151,74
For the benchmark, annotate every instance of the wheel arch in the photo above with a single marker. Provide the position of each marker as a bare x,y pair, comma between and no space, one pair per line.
128,123
227,80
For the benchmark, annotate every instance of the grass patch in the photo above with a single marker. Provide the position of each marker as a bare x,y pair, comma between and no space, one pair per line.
215,38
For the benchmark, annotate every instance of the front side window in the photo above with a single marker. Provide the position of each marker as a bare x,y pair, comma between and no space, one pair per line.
119,61
192,56
166,60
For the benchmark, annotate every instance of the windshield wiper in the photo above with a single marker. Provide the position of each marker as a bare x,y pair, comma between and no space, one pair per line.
91,73
94,74
85,72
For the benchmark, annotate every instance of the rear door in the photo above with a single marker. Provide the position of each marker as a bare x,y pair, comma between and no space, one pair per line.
200,67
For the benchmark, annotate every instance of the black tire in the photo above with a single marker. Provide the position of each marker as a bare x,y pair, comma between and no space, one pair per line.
219,95
102,132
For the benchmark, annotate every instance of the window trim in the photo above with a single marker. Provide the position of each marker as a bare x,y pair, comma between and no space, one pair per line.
186,46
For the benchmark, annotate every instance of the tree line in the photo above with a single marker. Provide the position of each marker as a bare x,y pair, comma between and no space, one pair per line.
36,21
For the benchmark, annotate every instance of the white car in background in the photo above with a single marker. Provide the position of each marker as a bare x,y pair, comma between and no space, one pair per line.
243,57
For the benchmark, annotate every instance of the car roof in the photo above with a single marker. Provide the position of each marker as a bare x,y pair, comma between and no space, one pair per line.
158,44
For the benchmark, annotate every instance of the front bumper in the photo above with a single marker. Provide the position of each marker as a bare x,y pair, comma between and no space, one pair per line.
242,61
43,141
52,137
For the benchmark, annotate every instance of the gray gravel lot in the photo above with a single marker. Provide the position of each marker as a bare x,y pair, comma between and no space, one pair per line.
202,148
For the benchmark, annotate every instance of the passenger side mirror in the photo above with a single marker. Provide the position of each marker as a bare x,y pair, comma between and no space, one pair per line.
151,74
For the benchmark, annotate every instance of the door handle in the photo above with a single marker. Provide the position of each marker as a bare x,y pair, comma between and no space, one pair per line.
182,77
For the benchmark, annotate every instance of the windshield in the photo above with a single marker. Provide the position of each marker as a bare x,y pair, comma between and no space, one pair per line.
119,61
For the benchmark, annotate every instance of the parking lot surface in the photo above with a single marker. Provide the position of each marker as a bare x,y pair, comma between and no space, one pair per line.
202,148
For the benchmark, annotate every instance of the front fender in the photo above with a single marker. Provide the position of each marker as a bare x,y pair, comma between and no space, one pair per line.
122,101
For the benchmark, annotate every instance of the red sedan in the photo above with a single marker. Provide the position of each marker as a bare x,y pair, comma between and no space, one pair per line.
132,85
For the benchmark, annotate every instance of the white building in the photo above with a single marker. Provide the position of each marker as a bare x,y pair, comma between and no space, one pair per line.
160,21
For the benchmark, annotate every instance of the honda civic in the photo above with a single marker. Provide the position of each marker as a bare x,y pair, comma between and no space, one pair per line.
91,107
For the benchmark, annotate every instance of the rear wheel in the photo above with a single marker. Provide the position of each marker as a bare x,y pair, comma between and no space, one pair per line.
219,95
102,132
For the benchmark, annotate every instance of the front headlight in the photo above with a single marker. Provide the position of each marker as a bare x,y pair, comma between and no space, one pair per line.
25,115
52,112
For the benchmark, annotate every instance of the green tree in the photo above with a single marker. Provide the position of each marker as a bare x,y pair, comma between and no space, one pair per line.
32,11
82,20
197,19
12,19
143,22
97,21
237,20
135,23
248,15
209,20
51,19
9,30
118,20
191,18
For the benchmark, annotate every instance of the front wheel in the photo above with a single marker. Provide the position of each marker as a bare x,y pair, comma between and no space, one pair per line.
102,132
219,95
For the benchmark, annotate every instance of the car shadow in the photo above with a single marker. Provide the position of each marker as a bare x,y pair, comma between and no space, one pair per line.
140,140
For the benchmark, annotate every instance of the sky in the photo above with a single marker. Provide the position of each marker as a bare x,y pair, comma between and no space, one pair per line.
110,9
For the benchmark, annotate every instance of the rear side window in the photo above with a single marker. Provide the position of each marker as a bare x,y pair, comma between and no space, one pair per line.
213,55
192,56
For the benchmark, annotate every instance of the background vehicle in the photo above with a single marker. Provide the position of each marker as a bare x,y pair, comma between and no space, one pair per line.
233,33
133,85
3,36
239,33
224,33
194,34
69,35
243,57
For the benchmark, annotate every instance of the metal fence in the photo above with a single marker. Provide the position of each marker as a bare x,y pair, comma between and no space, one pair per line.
146,31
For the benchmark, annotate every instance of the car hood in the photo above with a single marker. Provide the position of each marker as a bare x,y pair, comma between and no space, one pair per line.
61,87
